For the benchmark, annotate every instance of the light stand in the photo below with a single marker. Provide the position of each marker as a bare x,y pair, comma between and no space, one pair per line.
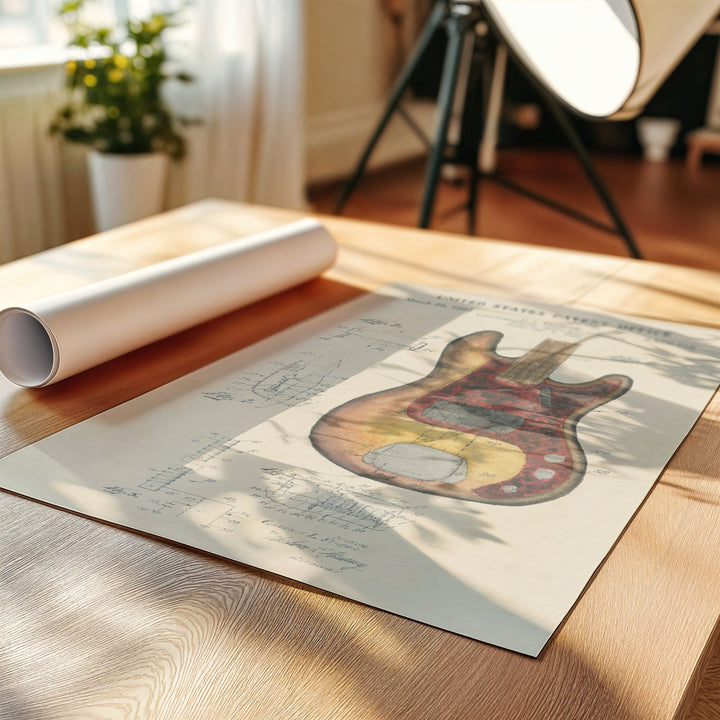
460,17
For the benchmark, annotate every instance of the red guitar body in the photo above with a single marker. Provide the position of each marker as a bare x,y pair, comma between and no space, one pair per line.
479,427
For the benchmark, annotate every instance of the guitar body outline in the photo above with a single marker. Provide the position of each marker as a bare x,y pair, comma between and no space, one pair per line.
476,428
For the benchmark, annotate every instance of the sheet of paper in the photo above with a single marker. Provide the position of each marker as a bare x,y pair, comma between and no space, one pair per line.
464,462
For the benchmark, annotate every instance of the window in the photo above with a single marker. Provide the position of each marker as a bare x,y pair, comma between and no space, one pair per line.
24,22
31,32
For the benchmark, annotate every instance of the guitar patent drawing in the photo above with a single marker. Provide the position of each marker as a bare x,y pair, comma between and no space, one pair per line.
479,427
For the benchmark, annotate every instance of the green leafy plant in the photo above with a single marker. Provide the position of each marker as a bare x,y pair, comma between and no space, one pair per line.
114,102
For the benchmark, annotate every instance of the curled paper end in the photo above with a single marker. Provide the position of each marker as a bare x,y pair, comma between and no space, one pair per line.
28,352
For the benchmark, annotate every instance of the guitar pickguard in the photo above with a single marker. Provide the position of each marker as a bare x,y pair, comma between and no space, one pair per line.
473,429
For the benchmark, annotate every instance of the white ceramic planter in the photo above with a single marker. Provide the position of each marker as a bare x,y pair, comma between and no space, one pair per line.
126,187
657,136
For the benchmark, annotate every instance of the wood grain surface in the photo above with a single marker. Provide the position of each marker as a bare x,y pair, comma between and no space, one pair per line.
98,622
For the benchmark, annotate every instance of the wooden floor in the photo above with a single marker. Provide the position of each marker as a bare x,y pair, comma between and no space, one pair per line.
673,213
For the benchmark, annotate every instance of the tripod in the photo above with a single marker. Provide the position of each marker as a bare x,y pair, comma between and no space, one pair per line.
460,17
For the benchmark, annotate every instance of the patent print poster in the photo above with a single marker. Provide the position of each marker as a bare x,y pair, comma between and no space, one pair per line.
464,462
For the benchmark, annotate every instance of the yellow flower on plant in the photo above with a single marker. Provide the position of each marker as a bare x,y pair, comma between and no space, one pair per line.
115,75
90,81
71,66
156,24
120,61
89,63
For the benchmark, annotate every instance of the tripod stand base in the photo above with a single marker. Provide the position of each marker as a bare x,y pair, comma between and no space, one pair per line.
460,18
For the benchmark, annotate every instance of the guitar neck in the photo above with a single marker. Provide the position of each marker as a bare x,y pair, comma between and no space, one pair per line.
536,365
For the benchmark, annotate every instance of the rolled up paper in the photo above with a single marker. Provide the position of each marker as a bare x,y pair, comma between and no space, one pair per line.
52,338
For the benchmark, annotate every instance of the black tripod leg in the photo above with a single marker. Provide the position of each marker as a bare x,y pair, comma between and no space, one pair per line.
473,192
592,174
476,118
457,26
434,21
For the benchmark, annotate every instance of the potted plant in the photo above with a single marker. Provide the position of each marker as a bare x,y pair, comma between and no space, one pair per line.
115,106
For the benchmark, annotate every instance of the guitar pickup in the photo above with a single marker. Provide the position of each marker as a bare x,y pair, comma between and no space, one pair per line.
472,416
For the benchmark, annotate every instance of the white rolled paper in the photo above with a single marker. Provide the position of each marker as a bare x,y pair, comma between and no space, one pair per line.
50,339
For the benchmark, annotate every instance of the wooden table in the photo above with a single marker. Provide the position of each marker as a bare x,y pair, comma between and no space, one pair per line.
98,622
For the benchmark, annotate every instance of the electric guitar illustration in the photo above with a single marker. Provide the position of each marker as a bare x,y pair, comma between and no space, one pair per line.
479,427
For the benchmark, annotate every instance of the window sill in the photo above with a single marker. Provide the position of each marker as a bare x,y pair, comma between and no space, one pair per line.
38,57
32,58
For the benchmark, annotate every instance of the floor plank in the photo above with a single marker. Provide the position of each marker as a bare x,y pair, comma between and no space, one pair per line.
672,212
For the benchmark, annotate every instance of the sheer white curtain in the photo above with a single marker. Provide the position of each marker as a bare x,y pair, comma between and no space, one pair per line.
248,57
33,215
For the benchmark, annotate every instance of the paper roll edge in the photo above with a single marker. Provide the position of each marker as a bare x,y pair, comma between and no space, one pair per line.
29,354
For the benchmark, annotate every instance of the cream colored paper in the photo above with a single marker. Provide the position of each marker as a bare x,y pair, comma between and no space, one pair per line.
221,461
53,338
